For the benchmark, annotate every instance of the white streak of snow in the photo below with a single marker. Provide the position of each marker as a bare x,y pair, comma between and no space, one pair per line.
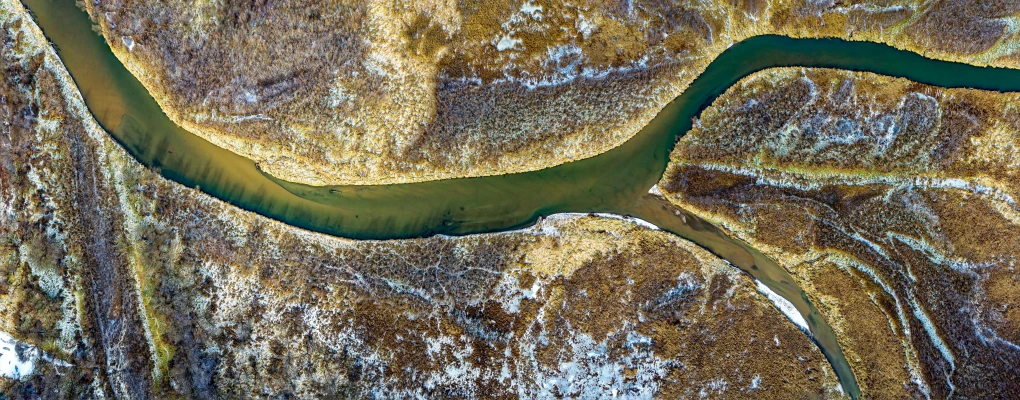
637,221
785,306
933,334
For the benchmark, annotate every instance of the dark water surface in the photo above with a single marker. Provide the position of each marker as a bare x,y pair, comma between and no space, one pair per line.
615,182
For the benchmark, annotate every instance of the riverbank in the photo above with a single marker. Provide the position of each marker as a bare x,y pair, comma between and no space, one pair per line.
148,288
364,103
595,185
891,203
608,182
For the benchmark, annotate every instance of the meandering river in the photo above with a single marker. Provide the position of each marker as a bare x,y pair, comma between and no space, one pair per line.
614,182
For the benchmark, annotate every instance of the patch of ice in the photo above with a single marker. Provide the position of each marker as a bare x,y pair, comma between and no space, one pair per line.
549,230
545,229
655,191
785,306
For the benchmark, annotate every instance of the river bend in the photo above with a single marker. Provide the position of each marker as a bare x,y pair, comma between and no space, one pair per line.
615,182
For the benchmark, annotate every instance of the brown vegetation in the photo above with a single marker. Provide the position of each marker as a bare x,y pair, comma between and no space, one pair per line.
166,292
886,199
370,93
963,26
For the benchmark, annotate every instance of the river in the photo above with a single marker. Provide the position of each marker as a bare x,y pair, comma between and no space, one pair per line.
614,182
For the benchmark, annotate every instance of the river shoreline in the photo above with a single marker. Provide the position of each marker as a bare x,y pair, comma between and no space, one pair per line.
614,182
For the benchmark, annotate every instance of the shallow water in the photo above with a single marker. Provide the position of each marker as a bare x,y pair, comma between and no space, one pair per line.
616,181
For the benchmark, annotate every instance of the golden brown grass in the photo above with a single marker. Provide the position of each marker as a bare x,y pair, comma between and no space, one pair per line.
372,92
227,303
886,199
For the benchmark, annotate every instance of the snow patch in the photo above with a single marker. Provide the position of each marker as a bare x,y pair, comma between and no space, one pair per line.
814,180
785,306
546,227
755,383
338,95
507,43
933,334
633,220
587,371
241,118
510,293
549,230
532,10
128,42
15,360
18,359
49,280
715,386
585,27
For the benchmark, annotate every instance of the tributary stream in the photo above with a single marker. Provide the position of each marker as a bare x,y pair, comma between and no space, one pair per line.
614,182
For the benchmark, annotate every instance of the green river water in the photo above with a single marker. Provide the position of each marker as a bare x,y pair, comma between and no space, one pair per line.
614,182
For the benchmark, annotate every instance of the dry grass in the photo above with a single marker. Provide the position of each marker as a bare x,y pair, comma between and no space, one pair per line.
371,93
906,189
217,302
